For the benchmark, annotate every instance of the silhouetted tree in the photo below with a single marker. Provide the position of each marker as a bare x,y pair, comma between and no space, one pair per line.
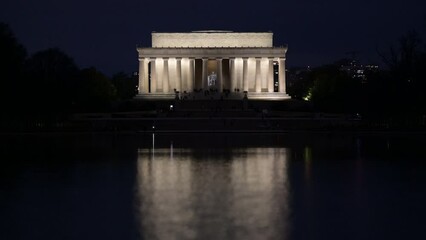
12,57
298,84
334,90
403,85
126,85
95,92
50,80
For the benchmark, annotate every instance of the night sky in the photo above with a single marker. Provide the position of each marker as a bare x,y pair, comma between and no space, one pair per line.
104,34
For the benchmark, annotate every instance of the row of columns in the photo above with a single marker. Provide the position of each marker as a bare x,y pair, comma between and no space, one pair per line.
187,84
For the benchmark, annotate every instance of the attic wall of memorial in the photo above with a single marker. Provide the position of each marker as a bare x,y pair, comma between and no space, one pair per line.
212,40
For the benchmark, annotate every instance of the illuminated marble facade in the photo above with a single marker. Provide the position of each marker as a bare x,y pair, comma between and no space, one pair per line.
178,64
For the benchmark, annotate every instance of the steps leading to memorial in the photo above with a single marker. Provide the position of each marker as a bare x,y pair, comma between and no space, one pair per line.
209,95
268,96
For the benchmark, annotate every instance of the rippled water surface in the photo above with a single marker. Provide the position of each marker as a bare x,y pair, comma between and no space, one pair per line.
212,186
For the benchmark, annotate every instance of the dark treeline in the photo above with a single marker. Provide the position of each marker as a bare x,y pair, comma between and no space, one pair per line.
49,82
394,94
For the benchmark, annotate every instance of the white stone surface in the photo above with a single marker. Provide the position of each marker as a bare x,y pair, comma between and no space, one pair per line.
212,39
172,60
212,53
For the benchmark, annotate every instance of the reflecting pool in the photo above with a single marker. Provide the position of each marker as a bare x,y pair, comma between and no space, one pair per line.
212,186
240,193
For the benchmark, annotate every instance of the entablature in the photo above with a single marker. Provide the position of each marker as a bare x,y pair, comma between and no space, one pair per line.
211,52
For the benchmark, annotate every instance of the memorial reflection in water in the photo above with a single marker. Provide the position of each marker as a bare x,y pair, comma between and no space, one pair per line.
204,193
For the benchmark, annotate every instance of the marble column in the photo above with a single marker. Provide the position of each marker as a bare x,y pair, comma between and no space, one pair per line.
258,84
239,72
232,75
204,75
191,78
141,87
146,76
143,76
153,75
281,75
166,85
178,75
219,75
270,76
245,74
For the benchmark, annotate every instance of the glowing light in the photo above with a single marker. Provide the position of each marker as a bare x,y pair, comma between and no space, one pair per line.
308,96
153,145
254,187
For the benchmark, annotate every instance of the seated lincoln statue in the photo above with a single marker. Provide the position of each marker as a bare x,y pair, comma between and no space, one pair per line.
220,60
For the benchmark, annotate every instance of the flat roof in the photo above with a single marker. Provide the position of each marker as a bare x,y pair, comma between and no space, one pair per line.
211,38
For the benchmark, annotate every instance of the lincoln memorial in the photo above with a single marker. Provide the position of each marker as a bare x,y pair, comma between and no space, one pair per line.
235,64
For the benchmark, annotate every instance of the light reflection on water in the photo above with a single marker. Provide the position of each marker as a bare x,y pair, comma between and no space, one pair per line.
238,193
212,187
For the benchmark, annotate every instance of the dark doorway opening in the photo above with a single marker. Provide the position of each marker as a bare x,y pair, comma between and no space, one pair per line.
276,82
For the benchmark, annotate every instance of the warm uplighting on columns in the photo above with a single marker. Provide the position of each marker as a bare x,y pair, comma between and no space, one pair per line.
204,78
172,73
258,85
166,84
264,67
219,74
178,75
143,76
159,75
146,75
140,78
232,75
270,75
153,75
281,75
191,78
245,74
239,73
185,74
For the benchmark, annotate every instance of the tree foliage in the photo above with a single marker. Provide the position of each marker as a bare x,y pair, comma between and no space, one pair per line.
12,57
125,85
50,77
395,94
49,81
334,90
94,90
403,85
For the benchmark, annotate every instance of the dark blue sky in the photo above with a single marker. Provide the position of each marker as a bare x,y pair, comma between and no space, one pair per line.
104,33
